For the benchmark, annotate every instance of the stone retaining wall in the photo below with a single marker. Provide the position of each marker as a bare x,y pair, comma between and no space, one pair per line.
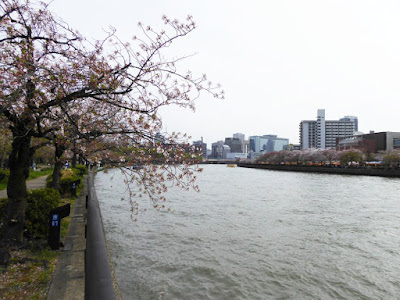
327,170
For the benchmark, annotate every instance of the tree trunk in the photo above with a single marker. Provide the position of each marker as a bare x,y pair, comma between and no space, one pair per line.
80,160
74,157
57,175
57,167
19,163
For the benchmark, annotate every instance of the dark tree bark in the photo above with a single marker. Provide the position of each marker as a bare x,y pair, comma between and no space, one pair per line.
59,150
75,154
19,163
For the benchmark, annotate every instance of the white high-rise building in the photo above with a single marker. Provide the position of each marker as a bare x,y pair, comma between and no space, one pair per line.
322,134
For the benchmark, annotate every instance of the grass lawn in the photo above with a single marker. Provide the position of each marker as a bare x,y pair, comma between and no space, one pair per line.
36,174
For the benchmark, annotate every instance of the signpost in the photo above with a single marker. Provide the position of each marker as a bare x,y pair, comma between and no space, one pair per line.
56,215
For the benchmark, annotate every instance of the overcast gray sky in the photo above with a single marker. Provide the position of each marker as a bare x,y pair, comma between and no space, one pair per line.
278,61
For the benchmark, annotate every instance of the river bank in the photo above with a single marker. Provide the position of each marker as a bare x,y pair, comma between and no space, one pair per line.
326,169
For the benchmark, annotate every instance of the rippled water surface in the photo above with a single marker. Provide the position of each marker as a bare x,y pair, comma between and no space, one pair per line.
259,234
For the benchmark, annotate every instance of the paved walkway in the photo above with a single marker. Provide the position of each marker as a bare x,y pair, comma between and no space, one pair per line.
36,183
69,278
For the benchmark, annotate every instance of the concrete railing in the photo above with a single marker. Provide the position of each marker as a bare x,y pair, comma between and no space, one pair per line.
98,278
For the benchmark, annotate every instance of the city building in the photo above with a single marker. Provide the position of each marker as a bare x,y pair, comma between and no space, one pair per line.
292,147
244,145
323,134
201,147
225,151
219,150
267,143
235,144
235,156
239,136
371,142
353,119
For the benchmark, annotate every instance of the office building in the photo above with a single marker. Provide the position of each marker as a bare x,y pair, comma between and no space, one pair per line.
217,150
201,147
267,143
241,137
235,144
322,134
371,142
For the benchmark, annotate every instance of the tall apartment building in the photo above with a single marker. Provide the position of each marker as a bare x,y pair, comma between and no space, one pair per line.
322,134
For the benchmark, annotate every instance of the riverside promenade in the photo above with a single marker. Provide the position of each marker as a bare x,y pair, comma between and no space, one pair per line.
68,280
75,277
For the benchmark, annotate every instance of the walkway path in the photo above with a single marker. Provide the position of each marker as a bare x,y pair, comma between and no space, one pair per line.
68,280
36,183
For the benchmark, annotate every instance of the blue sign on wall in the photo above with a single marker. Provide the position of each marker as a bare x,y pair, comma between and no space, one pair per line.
55,220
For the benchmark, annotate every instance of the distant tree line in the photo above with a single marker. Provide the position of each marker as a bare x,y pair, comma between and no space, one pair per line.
328,157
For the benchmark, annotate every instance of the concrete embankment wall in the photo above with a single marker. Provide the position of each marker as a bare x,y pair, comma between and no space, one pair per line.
327,170
98,278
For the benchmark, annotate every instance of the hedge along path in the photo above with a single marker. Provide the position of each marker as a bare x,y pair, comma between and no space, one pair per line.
37,183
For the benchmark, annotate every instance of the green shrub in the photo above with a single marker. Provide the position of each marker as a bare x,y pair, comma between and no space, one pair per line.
40,203
4,174
49,181
68,177
80,170
66,184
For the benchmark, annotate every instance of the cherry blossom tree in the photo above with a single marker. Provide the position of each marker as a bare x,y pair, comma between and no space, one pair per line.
53,81
330,155
294,156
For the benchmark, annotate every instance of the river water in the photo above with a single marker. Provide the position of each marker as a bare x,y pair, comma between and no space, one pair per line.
258,234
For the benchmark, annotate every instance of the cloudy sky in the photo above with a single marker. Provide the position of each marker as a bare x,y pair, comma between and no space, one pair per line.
278,61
